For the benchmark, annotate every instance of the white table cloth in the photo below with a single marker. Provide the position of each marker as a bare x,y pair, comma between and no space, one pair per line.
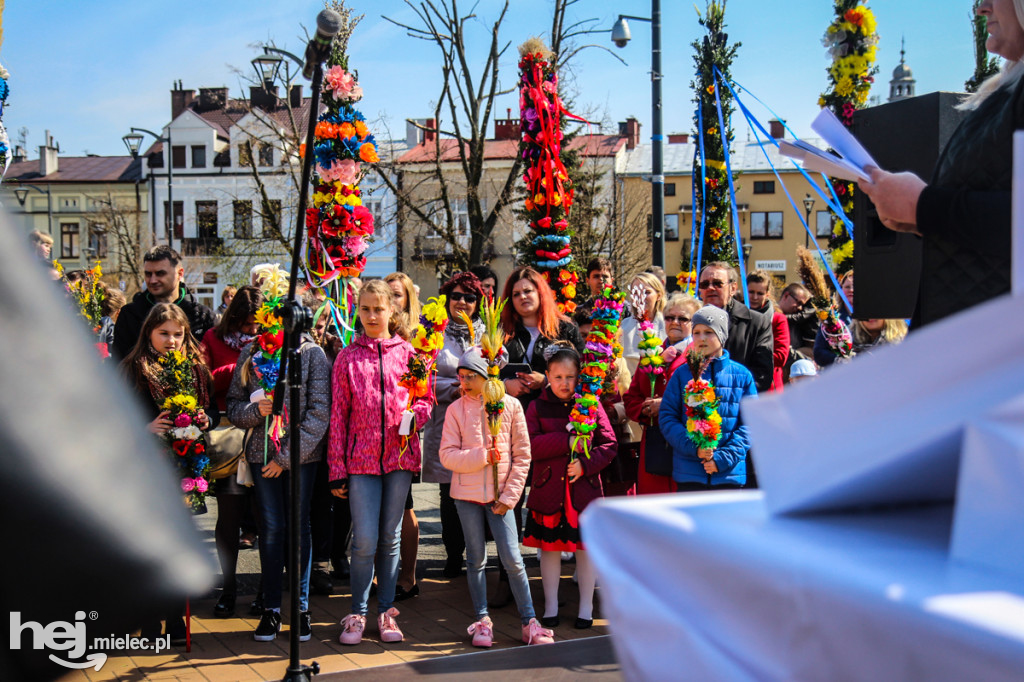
709,586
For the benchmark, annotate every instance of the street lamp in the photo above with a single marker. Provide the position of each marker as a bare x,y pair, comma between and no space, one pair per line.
133,141
21,193
621,36
808,207
268,65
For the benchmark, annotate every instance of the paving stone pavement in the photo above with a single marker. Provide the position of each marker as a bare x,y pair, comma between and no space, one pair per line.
434,623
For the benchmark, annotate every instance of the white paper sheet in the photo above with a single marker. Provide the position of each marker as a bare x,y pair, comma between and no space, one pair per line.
841,139
820,161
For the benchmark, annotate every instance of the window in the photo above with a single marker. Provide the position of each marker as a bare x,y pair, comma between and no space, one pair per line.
69,240
97,240
206,219
766,225
245,153
272,218
266,154
764,187
178,157
670,189
179,219
671,227
243,219
69,204
199,157
823,227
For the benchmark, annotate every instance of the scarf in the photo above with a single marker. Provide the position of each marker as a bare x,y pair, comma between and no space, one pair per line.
238,340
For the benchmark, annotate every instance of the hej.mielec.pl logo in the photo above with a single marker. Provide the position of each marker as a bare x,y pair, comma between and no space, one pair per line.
70,637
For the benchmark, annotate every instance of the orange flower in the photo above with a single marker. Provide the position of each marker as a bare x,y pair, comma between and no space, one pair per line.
569,308
361,129
539,199
368,153
347,129
569,291
528,205
564,276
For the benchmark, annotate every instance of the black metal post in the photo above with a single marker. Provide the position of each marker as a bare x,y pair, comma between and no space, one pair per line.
170,196
657,142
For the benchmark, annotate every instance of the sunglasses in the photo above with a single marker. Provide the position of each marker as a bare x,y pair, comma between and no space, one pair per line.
682,319
709,283
468,298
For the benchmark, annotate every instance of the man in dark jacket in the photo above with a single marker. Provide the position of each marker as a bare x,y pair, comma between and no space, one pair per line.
795,303
164,274
750,333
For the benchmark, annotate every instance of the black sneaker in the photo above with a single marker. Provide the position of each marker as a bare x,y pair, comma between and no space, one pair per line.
270,625
320,582
176,630
305,627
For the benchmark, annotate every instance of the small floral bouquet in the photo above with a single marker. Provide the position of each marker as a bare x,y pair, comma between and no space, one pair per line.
652,363
175,375
598,355
835,332
427,340
492,344
266,354
87,293
703,423
687,281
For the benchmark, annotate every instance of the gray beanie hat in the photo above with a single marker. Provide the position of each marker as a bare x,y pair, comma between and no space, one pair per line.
473,360
716,318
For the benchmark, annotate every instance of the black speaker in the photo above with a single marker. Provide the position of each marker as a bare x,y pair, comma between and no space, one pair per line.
907,135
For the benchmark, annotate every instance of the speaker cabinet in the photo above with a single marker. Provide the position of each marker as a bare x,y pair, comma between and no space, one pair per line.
907,135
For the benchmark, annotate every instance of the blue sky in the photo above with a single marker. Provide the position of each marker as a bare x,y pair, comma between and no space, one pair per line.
89,70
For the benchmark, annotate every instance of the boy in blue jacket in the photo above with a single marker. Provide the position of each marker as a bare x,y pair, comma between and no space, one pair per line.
725,466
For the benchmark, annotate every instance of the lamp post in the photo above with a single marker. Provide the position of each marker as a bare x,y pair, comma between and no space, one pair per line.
133,141
21,192
268,65
808,207
621,36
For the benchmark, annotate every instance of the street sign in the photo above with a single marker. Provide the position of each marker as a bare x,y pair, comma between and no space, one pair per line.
770,265
209,278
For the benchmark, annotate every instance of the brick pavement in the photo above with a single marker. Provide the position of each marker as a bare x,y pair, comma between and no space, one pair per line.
434,623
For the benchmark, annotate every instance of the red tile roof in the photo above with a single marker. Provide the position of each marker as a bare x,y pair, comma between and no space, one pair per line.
78,169
590,145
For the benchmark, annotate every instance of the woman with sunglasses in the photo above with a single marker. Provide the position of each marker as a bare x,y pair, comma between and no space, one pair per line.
654,470
463,293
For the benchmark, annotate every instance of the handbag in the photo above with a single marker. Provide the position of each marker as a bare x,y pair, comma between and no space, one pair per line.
243,476
224,448
657,453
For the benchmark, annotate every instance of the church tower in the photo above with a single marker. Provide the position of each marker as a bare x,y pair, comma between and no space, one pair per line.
902,84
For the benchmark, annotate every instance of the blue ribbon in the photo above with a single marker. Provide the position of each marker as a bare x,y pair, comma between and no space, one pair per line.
732,191
703,188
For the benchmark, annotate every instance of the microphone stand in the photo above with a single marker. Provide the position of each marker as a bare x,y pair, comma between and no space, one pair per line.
296,319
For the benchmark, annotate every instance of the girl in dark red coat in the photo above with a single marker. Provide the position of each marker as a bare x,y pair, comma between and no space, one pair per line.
564,482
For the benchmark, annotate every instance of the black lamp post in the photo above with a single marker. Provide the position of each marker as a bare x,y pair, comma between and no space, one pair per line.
808,207
133,141
621,36
21,193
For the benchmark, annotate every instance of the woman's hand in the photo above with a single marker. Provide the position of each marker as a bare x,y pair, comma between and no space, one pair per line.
341,492
202,420
499,509
575,470
895,196
533,381
710,467
493,456
272,470
705,453
161,424
651,407
266,407
514,387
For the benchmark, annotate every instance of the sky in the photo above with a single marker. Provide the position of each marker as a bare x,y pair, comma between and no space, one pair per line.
89,70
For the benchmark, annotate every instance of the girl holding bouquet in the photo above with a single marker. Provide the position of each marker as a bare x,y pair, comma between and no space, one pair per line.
565,480
702,407
165,336
370,461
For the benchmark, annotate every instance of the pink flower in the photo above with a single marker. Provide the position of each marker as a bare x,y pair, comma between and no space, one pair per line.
182,420
345,171
355,245
341,84
187,485
201,485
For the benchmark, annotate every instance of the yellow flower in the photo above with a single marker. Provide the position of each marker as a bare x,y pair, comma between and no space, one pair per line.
184,403
267,319
715,418
844,87
435,311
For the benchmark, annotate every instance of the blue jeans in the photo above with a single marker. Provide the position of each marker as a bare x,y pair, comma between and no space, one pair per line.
506,539
377,504
272,498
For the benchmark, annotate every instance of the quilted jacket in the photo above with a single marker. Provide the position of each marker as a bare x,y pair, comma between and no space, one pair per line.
732,382
367,410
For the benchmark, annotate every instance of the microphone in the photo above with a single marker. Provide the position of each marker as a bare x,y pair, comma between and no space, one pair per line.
328,24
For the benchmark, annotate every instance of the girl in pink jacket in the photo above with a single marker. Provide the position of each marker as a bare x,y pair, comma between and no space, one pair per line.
369,463
467,450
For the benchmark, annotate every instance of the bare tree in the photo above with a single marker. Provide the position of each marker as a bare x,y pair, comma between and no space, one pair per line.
116,234
628,231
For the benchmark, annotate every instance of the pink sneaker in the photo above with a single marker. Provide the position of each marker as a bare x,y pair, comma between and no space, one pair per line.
389,631
352,627
483,632
534,633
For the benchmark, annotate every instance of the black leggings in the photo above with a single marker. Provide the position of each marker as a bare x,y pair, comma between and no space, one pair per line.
451,525
230,511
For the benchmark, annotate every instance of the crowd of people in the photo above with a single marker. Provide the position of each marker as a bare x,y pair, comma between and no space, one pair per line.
358,464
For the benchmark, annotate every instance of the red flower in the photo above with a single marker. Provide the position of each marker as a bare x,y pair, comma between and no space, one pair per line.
180,447
200,448
336,221
312,217
271,342
361,222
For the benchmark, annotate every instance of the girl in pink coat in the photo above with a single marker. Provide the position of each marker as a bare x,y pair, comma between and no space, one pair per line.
369,462
467,450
